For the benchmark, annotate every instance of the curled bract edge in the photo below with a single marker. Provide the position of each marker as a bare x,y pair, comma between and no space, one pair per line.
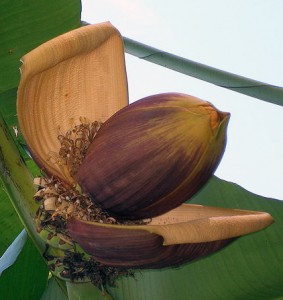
181,235
79,76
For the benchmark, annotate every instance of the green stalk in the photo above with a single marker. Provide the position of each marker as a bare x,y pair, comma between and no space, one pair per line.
18,184
269,93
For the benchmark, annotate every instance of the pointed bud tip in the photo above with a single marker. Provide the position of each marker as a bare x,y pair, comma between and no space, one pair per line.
217,118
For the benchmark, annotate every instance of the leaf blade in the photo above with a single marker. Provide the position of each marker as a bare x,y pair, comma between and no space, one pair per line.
10,255
247,269
35,23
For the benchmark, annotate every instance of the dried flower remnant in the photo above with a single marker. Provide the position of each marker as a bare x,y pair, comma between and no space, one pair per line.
58,202
78,267
74,144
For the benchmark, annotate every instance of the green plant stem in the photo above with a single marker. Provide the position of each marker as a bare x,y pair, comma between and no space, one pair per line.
18,184
240,84
270,93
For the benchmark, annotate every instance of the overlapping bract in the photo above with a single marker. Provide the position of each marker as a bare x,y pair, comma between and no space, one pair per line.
154,155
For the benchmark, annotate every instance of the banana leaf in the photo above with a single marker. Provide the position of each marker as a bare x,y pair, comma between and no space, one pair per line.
26,278
26,24
250,268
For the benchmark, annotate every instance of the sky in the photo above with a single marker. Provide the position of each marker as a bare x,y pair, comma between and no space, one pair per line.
239,36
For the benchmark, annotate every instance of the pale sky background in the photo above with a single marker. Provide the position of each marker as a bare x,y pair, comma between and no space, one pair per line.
240,36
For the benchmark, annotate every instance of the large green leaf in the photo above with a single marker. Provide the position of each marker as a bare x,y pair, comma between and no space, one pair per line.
250,268
24,24
26,278
10,224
